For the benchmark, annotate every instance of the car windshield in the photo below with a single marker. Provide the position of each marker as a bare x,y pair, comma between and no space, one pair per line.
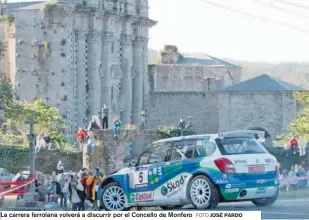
240,145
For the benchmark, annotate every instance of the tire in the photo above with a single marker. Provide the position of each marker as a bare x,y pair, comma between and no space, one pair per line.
266,201
116,199
171,207
203,186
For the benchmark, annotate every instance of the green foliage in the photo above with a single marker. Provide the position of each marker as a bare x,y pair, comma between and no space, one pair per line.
49,121
16,158
170,131
48,8
9,19
299,127
13,158
6,93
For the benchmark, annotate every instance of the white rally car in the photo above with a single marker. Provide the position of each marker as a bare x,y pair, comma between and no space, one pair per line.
202,170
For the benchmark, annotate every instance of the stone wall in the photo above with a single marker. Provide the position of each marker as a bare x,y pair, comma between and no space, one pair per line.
167,108
16,159
181,78
111,150
270,111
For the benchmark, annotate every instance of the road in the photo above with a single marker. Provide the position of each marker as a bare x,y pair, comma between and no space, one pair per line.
282,209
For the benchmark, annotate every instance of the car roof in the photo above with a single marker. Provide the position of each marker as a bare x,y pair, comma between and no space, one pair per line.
186,137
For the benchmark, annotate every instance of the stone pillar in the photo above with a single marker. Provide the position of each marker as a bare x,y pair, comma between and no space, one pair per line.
105,71
94,78
82,78
138,70
127,62
72,88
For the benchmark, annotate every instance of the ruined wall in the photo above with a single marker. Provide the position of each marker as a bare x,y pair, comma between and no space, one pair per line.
271,111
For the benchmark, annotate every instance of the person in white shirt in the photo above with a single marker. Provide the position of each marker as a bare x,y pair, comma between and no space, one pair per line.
77,194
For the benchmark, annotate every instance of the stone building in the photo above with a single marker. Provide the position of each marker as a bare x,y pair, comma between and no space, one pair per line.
79,55
6,10
185,85
263,103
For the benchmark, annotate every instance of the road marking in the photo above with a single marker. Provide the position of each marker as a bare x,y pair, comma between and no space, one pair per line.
281,213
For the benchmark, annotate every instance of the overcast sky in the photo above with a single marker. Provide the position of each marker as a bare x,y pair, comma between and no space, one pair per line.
195,26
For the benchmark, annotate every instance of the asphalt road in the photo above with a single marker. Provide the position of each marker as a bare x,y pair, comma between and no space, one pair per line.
282,209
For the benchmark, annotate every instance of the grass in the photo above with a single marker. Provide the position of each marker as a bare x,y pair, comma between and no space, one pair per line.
294,194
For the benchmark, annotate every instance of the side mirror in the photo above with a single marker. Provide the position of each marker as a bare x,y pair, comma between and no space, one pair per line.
133,164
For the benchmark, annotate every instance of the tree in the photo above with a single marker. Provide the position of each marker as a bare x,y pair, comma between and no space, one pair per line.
6,93
299,127
49,121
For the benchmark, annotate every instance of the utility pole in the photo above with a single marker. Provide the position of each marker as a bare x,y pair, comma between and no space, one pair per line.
31,137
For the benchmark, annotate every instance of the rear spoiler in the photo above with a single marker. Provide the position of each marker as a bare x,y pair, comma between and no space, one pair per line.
258,135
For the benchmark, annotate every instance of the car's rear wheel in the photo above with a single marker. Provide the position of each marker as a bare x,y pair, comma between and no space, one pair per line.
266,201
171,207
113,198
202,193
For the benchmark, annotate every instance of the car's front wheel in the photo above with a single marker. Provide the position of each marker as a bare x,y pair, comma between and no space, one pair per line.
266,201
202,193
113,198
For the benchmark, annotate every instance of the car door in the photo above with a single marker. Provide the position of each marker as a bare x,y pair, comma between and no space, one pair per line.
148,175
184,160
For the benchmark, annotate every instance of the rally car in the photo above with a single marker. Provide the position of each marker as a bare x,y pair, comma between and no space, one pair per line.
202,170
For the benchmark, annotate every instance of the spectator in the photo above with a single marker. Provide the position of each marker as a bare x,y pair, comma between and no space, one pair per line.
284,175
61,183
51,192
64,192
81,138
291,175
294,144
117,126
60,167
21,178
94,124
90,147
104,117
47,140
181,127
77,194
300,173
93,181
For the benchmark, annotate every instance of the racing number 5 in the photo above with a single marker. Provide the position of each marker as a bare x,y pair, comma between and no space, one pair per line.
140,177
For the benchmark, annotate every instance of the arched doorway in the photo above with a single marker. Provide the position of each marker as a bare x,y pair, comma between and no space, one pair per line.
267,136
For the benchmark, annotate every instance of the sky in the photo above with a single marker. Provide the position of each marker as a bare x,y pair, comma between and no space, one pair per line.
196,26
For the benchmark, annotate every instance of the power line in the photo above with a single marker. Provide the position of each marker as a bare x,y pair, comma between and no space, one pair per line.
281,9
256,17
293,4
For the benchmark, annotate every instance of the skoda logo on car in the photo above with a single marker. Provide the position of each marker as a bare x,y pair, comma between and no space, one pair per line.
173,186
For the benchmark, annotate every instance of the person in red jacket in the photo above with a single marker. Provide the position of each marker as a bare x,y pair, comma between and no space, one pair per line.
294,143
81,138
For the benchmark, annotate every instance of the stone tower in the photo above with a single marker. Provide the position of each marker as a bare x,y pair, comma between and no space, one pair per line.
104,59
3,7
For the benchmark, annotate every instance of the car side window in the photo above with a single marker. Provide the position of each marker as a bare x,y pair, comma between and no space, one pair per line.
155,154
184,149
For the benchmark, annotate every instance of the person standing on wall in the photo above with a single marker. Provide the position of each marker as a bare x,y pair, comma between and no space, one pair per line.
105,117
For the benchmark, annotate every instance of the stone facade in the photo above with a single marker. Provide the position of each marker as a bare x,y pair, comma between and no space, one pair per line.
269,111
79,55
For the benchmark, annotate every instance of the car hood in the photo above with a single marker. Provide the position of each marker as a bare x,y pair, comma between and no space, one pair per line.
125,170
